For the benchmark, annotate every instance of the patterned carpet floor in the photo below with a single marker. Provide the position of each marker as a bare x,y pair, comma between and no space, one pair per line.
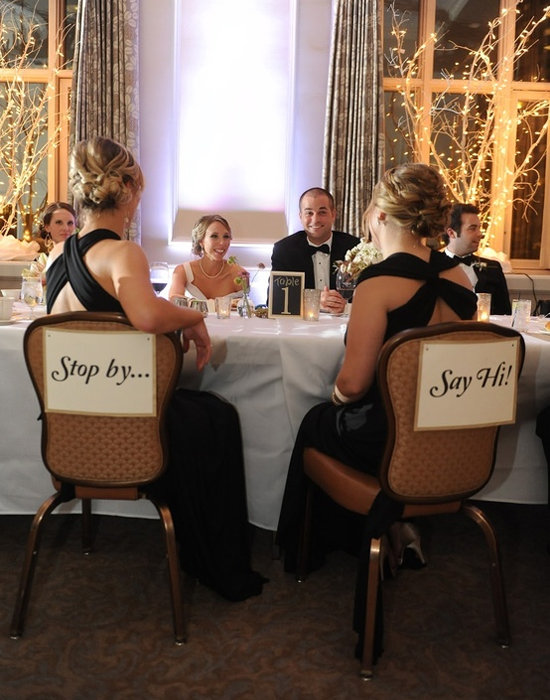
101,627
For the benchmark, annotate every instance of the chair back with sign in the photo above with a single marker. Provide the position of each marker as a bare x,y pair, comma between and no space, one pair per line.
436,456
103,389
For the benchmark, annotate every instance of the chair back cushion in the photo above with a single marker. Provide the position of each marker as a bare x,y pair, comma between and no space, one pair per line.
433,466
103,450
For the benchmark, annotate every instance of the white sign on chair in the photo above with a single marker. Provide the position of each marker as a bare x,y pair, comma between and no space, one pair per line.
466,384
106,373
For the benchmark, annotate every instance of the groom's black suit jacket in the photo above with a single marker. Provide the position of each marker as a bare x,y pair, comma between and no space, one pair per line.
292,254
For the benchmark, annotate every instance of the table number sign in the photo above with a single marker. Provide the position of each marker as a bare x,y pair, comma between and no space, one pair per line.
106,373
466,384
285,294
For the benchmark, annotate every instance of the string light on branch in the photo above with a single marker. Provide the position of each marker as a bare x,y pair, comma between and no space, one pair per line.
470,125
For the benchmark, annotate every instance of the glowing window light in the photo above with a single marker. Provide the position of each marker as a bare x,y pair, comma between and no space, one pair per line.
234,101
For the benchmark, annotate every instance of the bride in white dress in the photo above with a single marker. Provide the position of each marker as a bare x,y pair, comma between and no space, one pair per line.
211,275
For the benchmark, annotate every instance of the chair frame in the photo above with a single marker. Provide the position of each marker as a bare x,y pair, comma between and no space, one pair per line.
356,490
169,352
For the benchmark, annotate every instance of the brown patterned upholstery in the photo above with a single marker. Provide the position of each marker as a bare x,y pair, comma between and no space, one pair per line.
92,456
433,464
130,449
431,471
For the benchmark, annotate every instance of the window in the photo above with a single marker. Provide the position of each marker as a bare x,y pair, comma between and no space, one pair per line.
233,84
461,108
36,48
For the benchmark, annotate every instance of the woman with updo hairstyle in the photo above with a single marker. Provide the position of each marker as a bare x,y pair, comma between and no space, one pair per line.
97,270
211,275
412,286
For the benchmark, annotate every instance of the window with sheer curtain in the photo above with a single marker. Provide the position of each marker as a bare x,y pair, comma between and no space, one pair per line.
36,48
443,89
233,68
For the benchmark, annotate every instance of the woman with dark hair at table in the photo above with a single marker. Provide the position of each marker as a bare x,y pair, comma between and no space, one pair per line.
412,286
97,270
211,275
58,223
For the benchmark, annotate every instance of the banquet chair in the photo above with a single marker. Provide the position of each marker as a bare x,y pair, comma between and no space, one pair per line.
430,471
96,451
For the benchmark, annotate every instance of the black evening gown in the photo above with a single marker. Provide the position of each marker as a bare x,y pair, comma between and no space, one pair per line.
204,482
355,434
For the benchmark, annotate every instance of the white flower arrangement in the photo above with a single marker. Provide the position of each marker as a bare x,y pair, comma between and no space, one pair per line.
37,268
358,258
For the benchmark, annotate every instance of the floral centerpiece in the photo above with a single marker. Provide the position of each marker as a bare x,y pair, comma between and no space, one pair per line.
245,306
358,258
37,268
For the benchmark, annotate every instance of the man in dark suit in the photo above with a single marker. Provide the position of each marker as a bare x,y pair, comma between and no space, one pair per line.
315,249
463,238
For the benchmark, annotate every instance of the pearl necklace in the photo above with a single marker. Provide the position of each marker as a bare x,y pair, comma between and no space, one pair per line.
211,277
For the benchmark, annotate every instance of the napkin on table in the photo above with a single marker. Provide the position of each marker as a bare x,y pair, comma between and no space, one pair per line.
12,248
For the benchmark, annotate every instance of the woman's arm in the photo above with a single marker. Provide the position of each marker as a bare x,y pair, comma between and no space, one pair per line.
129,272
365,337
178,284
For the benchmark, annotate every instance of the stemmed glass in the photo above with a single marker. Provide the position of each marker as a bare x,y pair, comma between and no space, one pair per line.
345,284
159,274
31,292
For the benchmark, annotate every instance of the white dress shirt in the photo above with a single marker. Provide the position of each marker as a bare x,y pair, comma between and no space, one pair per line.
468,269
321,266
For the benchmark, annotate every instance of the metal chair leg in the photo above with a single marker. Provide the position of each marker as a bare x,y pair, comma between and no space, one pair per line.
31,553
367,660
497,581
174,570
87,539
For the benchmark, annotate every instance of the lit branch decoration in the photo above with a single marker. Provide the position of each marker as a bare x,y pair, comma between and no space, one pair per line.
471,130
24,138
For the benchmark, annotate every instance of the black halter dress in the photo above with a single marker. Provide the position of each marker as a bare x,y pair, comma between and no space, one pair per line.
355,433
204,483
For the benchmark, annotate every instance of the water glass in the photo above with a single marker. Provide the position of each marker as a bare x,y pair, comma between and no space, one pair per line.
179,300
521,313
159,273
345,284
312,304
31,293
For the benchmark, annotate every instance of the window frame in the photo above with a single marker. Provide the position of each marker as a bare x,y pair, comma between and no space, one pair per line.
58,106
425,85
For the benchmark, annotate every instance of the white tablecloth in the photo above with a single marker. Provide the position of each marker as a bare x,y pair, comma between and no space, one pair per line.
273,371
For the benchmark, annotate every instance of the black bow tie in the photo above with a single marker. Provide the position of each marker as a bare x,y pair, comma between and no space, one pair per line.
319,249
467,259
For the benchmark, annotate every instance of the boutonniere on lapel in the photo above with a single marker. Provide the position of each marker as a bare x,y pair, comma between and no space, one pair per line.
480,265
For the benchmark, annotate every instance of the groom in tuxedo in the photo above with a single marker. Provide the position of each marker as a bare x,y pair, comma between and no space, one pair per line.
463,238
315,249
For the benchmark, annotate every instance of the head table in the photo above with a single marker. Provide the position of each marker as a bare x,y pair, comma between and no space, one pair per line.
273,371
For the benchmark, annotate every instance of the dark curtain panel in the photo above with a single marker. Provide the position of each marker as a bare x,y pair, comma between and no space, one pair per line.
353,158
105,83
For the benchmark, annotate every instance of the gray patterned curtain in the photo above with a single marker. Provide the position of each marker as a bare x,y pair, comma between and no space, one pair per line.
353,157
105,78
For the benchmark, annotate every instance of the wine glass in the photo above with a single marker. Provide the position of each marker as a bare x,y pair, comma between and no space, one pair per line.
159,274
345,284
31,293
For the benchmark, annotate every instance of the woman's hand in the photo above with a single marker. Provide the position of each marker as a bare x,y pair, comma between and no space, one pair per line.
199,335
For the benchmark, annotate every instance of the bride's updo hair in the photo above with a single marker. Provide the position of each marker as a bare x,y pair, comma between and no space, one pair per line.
199,231
415,197
103,174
